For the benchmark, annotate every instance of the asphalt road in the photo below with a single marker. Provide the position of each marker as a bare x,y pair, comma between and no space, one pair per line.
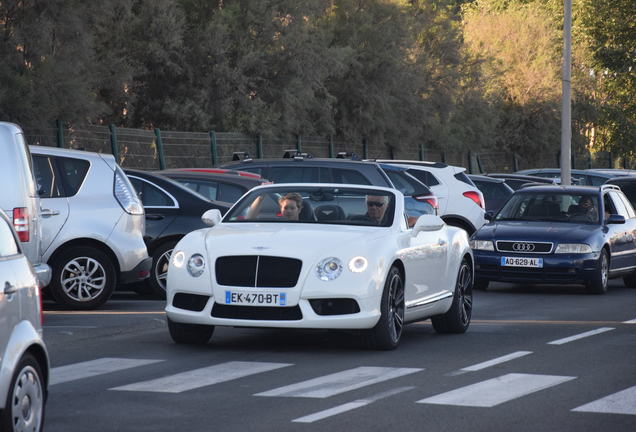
534,359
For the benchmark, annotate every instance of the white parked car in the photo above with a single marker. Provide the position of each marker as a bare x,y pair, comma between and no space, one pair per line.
24,361
320,256
461,203
92,225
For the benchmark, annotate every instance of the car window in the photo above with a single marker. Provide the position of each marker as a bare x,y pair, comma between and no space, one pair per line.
628,205
208,189
462,177
629,189
619,205
293,174
492,190
551,207
595,180
8,245
400,182
150,195
515,184
46,180
229,192
348,176
424,176
609,205
73,172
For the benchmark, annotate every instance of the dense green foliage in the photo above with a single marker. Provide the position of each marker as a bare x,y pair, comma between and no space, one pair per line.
449,74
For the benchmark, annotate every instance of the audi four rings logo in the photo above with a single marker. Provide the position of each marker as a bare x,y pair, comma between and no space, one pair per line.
523,247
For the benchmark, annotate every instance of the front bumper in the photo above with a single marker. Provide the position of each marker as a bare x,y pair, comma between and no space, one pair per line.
557,268
139,273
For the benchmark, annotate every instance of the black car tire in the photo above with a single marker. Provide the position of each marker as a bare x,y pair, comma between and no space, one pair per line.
191,334
160,257
630,280
27,378
84,265
457,319
598,285
387,332
481,284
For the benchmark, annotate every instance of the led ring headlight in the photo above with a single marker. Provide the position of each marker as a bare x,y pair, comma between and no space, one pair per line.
328,269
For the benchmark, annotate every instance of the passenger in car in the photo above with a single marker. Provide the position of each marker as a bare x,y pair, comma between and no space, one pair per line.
585,208
290,206
376,208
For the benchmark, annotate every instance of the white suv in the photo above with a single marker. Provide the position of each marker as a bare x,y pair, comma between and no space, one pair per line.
92,225
24,361
461,203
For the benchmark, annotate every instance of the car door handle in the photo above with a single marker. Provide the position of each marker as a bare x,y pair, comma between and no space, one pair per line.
48,212
9,289
154,216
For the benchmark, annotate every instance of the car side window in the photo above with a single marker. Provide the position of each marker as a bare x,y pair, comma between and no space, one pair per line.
46,179
207,189
609,206
628,205
618,204
595,180
347,176
424,176
229,192
73,172
293,174
150,195
400,182
8,245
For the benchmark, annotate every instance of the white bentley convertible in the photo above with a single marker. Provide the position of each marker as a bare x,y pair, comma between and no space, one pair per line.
320,256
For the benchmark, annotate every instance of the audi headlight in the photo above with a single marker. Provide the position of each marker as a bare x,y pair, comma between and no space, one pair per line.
358,264
196,265
482,245
178,258
329,269
573,248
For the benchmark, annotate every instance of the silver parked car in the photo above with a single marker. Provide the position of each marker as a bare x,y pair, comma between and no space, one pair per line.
24,361
92,225
19,198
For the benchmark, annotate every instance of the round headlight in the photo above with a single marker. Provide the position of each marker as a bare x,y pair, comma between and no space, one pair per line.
196,265
358,264
329,269
178,258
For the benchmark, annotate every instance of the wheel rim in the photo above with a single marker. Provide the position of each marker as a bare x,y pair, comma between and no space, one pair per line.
396,307
27,401
161,269
465,293
83,279
604,270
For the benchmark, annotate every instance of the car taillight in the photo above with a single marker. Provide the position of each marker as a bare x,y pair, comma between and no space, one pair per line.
475,197
21,223
430,199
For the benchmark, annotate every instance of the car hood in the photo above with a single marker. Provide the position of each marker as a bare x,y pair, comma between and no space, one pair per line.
536,231
290,240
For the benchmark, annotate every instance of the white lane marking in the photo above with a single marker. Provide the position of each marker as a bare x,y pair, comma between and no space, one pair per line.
70,326
348,406
580,336
76,371
496,391
202,377
496,361
340,382
623,402
630,321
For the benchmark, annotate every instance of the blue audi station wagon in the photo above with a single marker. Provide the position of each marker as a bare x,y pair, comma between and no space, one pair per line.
559,235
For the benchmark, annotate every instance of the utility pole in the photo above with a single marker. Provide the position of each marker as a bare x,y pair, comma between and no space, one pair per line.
566,109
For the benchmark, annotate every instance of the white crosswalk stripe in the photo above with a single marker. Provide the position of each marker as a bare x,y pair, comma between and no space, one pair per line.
329,385
581,336
496,391
202,377
91,368
623,402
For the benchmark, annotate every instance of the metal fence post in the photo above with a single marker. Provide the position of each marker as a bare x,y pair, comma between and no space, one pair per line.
213,152
421,151
610,160
515,163
330,146
60,133
589,159
365,148
443,155
299,143
162,161
259,146
114,148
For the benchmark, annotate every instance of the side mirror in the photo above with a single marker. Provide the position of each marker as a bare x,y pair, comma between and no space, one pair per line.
428,223
489,216
212,217
615,219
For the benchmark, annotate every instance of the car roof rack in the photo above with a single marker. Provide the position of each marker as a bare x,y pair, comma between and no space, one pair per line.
348,155
610,186
296,154
241,156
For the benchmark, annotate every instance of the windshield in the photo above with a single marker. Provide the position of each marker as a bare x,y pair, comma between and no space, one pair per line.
551,207
316,205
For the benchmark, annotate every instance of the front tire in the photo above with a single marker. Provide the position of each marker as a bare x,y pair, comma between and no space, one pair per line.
159,271
84,277
387,332
190,334
598,285
24,407
457,319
